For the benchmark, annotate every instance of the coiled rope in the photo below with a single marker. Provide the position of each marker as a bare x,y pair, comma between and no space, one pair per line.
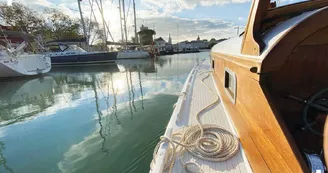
204,141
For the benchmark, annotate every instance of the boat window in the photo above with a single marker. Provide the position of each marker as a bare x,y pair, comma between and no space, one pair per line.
230,84
54,48
62,47
75,48
280,3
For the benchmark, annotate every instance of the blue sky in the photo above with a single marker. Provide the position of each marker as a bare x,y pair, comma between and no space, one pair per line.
207,18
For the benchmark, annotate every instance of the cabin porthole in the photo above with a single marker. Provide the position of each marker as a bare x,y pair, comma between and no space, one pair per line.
230,84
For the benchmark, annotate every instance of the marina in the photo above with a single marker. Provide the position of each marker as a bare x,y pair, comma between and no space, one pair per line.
78,95
90,119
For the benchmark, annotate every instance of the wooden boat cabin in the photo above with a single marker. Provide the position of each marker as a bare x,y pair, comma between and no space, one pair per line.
273,82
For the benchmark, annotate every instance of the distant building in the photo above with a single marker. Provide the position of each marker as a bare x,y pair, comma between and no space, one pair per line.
201,44
160,42
162,46
170,39
195,44
146,35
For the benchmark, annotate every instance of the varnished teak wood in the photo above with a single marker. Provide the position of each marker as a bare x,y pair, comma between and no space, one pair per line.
265,143
295,65
252,44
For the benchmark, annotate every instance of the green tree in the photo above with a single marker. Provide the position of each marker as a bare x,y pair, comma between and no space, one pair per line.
61,26
21,18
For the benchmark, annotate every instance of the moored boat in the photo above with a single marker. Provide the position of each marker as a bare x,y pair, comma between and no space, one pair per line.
272,96
14,61
69,54
132,54
24,65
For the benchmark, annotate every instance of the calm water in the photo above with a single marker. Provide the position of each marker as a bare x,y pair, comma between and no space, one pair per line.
95,119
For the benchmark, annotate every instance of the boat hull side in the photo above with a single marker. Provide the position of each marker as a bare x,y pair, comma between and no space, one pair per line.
108,57
132,55
265,139
26,65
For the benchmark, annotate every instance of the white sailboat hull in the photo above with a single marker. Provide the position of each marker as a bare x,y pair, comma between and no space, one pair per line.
25,65
132,54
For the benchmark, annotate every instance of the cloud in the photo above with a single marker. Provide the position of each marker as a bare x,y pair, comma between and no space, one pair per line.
188,29
158,13
173,6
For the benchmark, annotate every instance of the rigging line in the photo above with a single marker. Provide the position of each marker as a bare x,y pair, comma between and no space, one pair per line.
104,22
127,14
90,18
127,17
94,15
101,10
110,34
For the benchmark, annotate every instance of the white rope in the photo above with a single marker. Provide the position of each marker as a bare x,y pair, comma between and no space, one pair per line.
204,141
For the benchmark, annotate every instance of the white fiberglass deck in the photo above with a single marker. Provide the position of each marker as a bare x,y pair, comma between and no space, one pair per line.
197,97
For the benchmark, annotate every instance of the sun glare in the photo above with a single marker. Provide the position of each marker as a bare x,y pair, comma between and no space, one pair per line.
119,85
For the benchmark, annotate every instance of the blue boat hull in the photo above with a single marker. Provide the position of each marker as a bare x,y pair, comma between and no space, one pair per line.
96,58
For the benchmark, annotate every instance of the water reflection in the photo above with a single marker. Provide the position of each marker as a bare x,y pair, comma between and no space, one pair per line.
102,118
3,161
99,113
23,98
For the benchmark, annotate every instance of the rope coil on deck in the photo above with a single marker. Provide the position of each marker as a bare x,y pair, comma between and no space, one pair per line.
208,142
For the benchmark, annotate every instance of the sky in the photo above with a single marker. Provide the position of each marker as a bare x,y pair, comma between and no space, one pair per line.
182,19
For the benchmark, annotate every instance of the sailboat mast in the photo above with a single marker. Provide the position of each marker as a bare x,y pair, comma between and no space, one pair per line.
126,34
104,25
135,23
120,9
82,22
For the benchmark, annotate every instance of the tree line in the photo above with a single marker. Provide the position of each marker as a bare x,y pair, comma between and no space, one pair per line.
51,24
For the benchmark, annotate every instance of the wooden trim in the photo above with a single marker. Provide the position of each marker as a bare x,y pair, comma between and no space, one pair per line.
246,63
264,140
252,43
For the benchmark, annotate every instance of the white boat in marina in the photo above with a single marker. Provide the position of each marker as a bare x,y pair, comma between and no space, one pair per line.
24,65
132,54
15,62
129,52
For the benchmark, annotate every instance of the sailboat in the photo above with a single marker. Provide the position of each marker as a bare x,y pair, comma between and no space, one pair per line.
15,61
259,104
129,52
66,52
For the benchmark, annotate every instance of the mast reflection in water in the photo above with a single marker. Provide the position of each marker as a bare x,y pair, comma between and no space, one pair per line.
101,118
